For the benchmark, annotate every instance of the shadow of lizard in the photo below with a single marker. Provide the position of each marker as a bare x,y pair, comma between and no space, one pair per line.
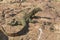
25,23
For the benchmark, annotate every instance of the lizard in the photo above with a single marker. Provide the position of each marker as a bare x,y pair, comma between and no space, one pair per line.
26,17
24,22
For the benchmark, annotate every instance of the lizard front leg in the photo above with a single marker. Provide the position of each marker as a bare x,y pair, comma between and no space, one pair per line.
32,21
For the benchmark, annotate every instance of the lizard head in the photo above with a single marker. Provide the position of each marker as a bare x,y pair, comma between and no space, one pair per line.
35,10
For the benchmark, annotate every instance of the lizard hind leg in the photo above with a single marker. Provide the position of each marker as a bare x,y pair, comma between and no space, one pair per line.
13,23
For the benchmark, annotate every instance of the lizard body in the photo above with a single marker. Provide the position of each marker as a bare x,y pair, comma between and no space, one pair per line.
24,21
27,17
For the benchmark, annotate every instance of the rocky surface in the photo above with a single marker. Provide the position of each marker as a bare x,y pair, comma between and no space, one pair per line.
48,19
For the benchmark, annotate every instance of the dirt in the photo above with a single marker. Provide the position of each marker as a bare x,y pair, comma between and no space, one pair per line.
48,20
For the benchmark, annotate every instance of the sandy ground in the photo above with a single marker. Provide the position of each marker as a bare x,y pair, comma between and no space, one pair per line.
47,28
